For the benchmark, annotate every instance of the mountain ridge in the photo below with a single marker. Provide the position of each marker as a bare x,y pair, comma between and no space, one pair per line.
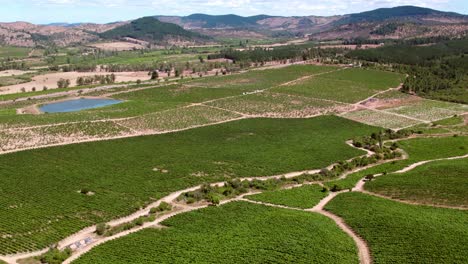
396,22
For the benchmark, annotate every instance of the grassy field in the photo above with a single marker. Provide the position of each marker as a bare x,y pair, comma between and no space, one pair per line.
418,150
348,86
439,183
304,197
40,200
13,52
400,233
234,233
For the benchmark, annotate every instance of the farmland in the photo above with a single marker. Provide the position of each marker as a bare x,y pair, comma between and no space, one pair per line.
439,183
301,197
419,149
45,192
347,86
168,136
233,233
400,233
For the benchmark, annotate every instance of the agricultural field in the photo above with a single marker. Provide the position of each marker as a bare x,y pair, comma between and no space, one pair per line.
401,233
418,149
304,197
13,52
436,183
166,97
345,86
42,202
269,104
430,110
381,119
233,233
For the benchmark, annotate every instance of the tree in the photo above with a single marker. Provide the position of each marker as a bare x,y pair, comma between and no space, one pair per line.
101,228
154,75
80,81
63,83
113,77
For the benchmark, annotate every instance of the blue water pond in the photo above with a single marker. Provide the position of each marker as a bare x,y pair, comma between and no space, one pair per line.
77,105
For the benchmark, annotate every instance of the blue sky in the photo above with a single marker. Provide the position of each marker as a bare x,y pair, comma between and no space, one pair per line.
102,11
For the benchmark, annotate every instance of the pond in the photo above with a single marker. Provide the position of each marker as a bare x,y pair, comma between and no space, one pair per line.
77,105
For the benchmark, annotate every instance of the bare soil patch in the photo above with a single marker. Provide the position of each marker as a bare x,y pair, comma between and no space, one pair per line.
118,46
50,80
9,73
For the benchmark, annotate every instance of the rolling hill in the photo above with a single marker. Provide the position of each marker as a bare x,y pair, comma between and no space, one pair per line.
152,30
385,23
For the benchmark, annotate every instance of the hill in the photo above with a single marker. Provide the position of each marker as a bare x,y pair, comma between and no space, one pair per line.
384,23
397,23
152,30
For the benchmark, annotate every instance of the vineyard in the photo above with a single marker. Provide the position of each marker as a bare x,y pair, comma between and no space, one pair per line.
419,149
439,183
345,86
233,233
304,197
42,202
400,233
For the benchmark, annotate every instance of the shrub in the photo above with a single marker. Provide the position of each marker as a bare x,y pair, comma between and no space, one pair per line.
370,177
101,228
214,199
55,256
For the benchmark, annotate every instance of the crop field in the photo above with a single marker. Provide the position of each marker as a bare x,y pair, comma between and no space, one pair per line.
41,200
419,149
268,104
347,86
263,79
176,119
167,97
430,110
401,233
64,133
439,183
13,52
381,119
304,197
237,232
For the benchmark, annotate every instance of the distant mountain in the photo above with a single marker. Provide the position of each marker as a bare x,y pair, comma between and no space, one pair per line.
395,23
406,21
152,30
412,13
64,24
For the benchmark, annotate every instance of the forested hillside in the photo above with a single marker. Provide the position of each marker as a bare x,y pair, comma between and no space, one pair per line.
438,71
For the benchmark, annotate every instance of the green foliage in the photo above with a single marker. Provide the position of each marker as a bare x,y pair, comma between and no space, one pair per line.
233,233
419,149
301,197
399,12
46,185
400,233
209,21
412,55
101,228
348,86
162,207
150,29
55,256
440,183
386,29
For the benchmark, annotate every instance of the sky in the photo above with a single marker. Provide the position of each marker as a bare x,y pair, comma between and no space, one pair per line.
104,11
